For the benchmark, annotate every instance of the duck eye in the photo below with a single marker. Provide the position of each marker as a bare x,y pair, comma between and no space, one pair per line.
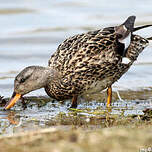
22,80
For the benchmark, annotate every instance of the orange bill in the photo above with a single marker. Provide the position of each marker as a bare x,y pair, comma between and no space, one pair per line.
13,100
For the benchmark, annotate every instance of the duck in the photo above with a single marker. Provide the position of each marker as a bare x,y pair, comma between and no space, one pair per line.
84,64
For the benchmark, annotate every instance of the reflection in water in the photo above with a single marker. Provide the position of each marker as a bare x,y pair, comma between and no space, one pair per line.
11,118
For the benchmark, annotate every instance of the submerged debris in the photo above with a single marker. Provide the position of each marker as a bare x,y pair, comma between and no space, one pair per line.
2,101
147,114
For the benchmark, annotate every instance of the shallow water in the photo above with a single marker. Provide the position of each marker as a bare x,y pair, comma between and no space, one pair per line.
32,30
43,112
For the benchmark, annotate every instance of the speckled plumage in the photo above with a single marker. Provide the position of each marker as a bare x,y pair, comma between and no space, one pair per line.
91,62
84,63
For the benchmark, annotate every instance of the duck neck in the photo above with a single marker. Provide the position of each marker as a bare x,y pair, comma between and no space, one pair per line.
47,75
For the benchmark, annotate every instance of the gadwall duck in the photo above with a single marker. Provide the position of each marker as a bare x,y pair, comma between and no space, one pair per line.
84,64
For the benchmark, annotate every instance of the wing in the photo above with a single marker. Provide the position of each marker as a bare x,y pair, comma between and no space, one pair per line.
81,48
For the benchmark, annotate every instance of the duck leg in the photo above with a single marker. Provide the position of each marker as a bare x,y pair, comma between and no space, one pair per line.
109,96
74,101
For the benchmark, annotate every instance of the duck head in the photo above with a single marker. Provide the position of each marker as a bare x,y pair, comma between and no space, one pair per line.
29,79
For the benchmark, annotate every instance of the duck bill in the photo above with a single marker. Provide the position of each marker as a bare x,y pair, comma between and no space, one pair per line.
15,97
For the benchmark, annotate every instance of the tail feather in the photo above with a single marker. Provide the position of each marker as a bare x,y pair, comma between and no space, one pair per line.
141,27
129,23
149,38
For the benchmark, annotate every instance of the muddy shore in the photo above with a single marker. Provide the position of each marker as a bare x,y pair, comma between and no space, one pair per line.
43,125
54,140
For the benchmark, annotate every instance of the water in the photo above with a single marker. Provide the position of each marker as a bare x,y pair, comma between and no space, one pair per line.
55,114
32,30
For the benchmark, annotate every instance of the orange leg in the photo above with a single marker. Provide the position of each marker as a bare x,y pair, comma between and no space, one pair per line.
74,102
109,96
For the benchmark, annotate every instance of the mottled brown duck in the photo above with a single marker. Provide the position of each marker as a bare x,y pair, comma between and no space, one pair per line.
83,64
